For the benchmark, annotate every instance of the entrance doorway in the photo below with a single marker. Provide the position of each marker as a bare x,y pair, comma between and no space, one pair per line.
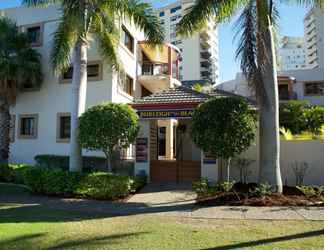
176,158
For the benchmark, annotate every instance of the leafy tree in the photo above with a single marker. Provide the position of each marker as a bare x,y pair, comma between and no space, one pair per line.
257,54
223,127
292,116
108,126
81,22
20,67
314,119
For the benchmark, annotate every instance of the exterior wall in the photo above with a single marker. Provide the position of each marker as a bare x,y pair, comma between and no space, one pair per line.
310,152
191,47
314,37
292,53
303,76
239,84
54,96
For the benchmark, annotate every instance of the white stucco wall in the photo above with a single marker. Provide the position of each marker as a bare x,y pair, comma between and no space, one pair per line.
54,97
310,152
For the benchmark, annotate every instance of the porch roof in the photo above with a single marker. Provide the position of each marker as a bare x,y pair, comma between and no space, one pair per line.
179,96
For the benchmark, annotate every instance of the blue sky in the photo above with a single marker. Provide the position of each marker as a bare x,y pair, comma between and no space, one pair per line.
291,24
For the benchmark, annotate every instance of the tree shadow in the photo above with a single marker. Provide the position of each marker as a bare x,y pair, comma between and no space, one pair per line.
94,241
268,241
26,241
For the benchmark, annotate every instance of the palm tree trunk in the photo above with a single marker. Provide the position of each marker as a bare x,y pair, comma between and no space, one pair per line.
269,117
78,102
4,130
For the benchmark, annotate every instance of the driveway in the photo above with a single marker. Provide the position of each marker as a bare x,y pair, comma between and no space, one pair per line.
165,194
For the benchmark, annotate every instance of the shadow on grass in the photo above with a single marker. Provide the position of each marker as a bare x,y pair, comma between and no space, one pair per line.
26,242
270,241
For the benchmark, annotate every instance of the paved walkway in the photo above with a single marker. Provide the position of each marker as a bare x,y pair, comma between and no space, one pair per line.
167,200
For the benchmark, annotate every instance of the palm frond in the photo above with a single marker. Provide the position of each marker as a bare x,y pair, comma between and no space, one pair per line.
107,36
143,16
197,15
39,3
64,40
247,48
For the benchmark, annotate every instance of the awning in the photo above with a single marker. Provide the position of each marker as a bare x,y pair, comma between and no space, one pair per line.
159,54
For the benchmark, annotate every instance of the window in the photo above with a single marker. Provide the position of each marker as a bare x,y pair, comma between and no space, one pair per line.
126,84
94,71
314,88
28,126
162,13
35,34
63,127
128,40
175,9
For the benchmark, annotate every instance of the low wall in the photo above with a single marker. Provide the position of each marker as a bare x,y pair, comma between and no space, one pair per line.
311,152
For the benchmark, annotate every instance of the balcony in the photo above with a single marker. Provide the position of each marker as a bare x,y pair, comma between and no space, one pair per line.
159,67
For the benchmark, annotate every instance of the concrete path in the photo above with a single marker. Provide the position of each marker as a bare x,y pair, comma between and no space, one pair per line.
166,200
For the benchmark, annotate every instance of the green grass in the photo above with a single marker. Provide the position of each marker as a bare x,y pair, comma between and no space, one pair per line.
30,227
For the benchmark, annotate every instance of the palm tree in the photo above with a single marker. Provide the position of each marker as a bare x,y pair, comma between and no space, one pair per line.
80,20
20,67
256,51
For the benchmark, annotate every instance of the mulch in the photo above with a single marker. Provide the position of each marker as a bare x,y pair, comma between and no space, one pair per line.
240,197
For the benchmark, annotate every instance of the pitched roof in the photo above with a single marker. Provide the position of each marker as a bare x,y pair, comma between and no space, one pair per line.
181,94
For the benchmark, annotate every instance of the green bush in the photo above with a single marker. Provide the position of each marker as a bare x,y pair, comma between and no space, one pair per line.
105,186
262,190
292,116
310,191
58,182
13,173
314,119
90,163
225,186
205,188
52,182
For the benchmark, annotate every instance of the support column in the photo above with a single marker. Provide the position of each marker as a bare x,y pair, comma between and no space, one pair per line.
209,168
142,150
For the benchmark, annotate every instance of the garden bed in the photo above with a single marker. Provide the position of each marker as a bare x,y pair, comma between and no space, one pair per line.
240,196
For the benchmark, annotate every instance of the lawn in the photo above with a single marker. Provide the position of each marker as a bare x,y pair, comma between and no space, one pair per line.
33,226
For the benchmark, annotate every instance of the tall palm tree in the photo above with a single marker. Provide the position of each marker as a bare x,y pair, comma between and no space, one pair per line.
256,51
19,66
85,19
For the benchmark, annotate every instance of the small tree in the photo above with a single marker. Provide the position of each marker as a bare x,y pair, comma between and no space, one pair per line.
223,127
106,127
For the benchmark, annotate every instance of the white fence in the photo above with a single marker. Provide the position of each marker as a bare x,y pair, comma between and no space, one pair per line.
311,152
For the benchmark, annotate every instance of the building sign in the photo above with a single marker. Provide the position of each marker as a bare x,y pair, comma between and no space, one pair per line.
141,150
159,114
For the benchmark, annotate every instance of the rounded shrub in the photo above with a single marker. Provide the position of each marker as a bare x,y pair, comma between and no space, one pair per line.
108,126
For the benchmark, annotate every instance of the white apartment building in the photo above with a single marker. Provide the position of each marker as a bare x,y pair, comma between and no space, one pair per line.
41,117
292,53
200,52
314,37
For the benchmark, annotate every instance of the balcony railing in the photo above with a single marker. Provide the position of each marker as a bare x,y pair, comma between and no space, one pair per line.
152,69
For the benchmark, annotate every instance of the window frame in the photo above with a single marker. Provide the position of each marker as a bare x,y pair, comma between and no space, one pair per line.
59,139
41,36
98,78
35,132
127,32
123,76
312,82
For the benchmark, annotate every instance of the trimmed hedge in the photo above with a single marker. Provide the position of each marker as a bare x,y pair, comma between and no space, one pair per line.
90,164
99,185
13,173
